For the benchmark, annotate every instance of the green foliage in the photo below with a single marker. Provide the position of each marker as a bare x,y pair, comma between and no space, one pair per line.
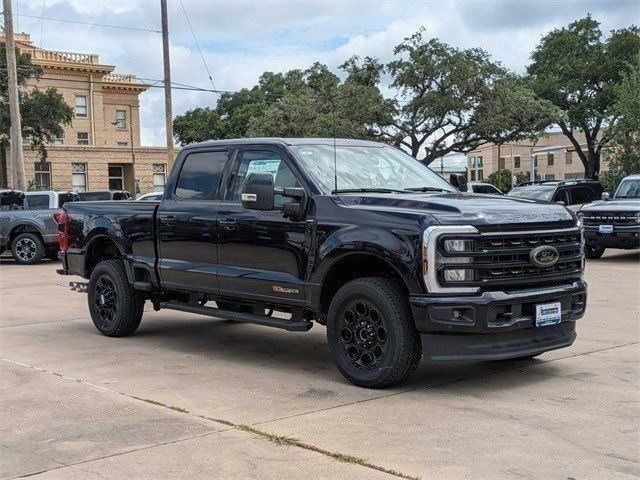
448,100
579,70
522,177
456,100
43,112
501,179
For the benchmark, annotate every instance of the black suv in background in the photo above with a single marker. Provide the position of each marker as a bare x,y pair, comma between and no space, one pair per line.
613,223
572,193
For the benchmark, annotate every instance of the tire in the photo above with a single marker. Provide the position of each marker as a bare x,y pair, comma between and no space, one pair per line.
593,252
116,307
371,334
27,248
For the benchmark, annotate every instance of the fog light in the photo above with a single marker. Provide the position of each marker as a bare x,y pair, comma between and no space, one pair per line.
457,245
458,275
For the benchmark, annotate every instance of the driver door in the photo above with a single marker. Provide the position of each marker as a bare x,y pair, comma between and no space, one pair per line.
261,254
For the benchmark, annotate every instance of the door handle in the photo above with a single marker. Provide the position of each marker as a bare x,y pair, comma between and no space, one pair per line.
168,220
228,224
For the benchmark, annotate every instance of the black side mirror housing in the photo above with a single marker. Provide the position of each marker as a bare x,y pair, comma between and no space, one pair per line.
458,180
258,191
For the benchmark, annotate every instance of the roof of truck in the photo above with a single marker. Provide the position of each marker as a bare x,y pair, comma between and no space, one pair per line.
291,141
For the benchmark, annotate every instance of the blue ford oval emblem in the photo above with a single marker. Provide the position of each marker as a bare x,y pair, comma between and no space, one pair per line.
544,256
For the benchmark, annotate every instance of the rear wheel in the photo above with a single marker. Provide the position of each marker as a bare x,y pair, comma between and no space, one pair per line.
116,307
592,252
27,248
371,333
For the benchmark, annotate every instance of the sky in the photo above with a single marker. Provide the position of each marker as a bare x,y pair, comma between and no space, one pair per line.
239,40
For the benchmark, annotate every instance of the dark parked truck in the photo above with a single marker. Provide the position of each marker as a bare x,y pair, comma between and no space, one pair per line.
613,223
354,235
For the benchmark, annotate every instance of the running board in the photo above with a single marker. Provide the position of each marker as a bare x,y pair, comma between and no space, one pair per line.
291,325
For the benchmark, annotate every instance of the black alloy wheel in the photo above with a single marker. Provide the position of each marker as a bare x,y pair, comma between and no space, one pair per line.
363,334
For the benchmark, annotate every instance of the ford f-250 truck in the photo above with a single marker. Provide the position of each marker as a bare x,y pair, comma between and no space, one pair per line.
354,235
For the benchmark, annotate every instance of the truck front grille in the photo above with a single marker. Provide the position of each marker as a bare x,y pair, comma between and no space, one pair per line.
506,258
617,219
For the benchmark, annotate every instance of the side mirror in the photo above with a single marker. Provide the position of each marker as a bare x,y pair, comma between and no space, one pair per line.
605,196
258,191
458,180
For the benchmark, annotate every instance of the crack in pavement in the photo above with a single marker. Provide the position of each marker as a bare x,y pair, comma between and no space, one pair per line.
280,440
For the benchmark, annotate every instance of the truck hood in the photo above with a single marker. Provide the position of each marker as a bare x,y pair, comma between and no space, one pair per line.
615,205
463,207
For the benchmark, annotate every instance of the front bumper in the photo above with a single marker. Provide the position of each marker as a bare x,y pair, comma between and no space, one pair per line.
496,324
626,238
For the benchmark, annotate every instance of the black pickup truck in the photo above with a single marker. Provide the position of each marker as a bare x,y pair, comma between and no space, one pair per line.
354,235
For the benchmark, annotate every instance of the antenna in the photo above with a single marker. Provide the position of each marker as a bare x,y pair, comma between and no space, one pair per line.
335,155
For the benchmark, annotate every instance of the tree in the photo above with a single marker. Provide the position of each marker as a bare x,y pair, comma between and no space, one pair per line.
577,69
453,100
44,113
501,179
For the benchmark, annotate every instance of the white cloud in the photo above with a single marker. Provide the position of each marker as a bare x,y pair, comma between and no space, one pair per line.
242,39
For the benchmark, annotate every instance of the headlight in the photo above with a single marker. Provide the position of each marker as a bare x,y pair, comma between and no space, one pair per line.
458,275
638,217
580,219
458,246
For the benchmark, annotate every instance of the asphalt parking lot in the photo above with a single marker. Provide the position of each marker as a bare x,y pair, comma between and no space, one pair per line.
194,397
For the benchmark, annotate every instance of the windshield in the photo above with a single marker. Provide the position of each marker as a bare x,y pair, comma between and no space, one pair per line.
535,192
366,168
628,189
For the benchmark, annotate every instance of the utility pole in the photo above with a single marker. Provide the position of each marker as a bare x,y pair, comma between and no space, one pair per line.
532,171
18,177
168,110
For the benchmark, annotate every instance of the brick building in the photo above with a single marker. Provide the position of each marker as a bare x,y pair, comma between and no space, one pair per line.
93,153
555,159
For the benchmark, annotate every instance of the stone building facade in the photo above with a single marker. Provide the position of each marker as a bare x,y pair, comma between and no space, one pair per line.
93,154
554,157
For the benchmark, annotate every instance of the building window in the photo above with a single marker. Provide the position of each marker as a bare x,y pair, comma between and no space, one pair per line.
550,159
535,161
473,161
568,158
58,140
42,177
81,106
473,175
121,118
501,163
479,162
516,162
123,144
159,177
79,177
116,177
480,175
83,138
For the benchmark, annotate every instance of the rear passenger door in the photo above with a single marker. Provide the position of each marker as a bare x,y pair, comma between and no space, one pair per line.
187,230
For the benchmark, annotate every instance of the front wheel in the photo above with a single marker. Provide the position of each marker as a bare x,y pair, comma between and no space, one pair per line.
592,252
115,306
371,334
27,248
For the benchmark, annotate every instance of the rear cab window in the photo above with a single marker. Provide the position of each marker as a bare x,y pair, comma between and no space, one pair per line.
38,201
200,175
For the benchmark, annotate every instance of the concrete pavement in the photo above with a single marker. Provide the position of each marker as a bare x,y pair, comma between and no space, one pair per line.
175,400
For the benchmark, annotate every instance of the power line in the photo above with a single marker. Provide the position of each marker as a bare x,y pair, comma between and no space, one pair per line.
87,23
193,33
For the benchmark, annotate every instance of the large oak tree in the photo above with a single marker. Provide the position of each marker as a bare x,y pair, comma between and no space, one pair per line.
579,70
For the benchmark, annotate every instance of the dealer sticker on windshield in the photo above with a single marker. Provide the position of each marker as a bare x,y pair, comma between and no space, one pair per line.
605,228
548,314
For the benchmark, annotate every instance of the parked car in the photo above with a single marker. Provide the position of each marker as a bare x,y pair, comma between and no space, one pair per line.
30,234
389,256
572,193
49,199
105,195
485,188
150,197
613,223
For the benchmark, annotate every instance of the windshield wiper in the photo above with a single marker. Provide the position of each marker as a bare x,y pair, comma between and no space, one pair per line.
368,190
428,189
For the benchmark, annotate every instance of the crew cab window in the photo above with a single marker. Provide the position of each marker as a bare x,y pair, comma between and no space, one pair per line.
580,195
263,161
11,200
562,195
200,175
38,201
486,189
67,197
